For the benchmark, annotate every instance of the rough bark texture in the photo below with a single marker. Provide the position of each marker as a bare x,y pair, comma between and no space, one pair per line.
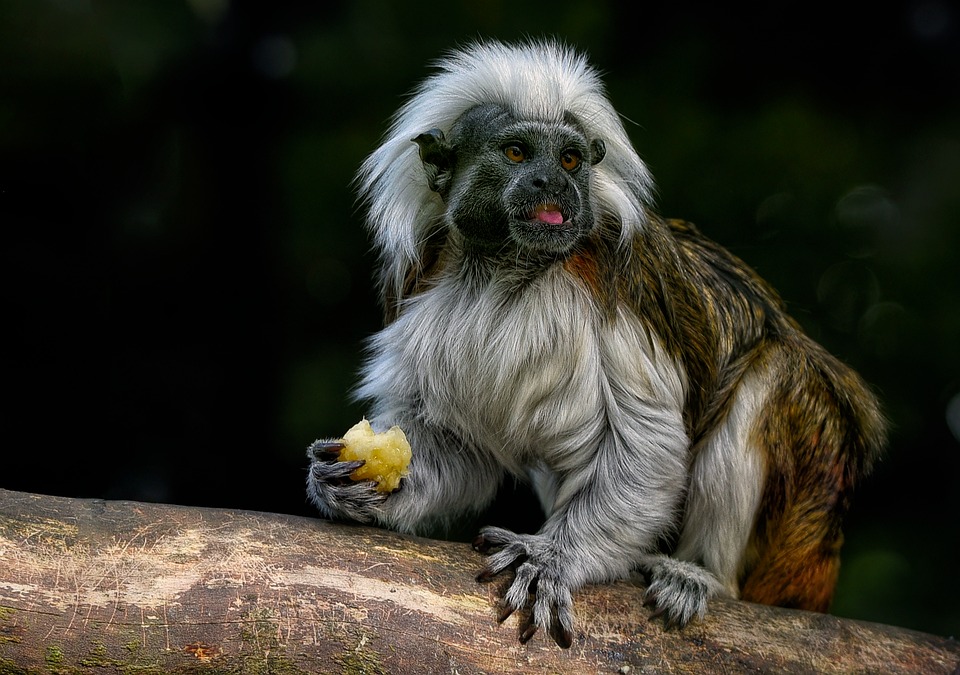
95,586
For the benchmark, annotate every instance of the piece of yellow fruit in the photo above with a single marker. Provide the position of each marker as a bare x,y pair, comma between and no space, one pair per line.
386,455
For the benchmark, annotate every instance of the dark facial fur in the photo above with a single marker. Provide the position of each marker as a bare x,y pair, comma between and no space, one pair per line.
505,180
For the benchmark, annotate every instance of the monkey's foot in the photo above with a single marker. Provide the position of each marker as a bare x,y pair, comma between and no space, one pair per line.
678,590
331,489
540,586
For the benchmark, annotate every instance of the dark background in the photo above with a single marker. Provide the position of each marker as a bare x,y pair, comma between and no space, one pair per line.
186,281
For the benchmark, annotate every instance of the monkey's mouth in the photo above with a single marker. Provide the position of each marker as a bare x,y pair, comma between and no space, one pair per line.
546,228
547,213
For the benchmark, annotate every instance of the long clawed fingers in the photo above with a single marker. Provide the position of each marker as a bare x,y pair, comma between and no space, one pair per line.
336,473
527,630
493,537
508,557
670,619
562,636
536,594
481,544
650,600
486,575
326,451
560,633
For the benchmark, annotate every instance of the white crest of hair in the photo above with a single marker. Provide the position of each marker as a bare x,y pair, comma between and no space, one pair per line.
541,80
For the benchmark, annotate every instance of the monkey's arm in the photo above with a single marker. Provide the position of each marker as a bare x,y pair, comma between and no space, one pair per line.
447,478
608,511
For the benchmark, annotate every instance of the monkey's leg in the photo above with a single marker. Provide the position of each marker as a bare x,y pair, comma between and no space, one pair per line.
798,567
821,428
798,545
726,486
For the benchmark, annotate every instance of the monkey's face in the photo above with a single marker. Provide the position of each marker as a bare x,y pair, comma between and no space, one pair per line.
509,181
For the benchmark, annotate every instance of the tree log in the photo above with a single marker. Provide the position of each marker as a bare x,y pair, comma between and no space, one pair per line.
101,586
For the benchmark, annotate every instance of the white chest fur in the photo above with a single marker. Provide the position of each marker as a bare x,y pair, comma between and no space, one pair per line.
532,375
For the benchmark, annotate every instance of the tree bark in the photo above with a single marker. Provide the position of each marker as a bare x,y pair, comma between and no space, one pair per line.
98,586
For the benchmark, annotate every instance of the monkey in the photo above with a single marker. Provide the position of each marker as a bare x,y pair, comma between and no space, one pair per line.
542,321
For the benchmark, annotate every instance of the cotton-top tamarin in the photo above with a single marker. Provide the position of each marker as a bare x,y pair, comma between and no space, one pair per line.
543,322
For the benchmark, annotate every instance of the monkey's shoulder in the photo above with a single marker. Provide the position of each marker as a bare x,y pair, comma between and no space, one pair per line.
695,245
705,261
682,228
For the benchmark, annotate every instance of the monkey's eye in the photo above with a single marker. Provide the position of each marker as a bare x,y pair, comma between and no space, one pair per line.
514,153
570,159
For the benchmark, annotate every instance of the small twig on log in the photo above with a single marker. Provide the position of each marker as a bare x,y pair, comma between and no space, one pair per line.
148,588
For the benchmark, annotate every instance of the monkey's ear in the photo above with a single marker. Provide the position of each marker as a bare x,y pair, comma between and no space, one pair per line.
597,150
438,158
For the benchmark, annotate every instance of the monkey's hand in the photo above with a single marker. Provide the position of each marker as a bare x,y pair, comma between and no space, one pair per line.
541,586
331,489
678,590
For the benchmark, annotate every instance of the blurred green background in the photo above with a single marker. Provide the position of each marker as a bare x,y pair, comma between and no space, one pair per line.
186,281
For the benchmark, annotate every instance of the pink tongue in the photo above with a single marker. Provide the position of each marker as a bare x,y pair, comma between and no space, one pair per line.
552,217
